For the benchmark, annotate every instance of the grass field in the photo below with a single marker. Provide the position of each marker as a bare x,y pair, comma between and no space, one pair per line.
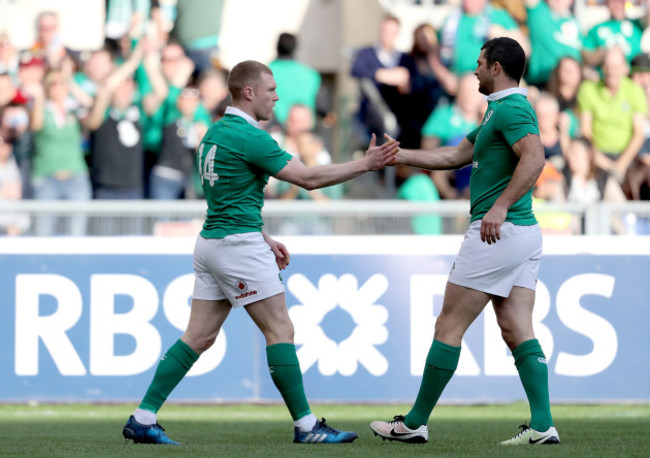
251,430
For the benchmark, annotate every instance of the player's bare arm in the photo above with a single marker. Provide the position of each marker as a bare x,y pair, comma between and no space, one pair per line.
310,178
441,158
531,162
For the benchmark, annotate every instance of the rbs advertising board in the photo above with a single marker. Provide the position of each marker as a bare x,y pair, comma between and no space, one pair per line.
88,319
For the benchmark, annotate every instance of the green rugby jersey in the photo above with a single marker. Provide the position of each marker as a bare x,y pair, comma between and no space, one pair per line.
508,118
235,159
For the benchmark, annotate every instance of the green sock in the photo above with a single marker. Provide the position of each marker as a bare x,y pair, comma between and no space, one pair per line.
286,375
533,372
171,369
442,361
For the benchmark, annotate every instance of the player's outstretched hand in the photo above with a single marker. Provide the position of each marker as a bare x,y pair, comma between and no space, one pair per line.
379,157
395,159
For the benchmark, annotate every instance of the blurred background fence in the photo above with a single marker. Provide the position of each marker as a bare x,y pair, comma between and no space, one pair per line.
347,217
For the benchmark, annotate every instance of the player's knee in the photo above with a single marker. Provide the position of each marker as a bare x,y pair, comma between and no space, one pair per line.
200,344
445,331
509,330
285,336
280,335
286,330
207,343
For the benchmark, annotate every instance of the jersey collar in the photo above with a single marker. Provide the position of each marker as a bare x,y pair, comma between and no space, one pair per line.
506,92
237,112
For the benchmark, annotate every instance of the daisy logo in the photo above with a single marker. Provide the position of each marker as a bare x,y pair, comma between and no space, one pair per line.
359,302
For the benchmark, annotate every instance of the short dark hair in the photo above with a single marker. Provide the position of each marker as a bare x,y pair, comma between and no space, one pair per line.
508,53
244,74
287,44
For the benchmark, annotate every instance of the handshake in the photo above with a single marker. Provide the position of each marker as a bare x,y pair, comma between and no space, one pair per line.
379,157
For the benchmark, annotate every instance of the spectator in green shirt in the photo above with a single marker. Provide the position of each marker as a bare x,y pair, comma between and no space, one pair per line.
59,169
617,30
297,82
160,84
554,33
468,27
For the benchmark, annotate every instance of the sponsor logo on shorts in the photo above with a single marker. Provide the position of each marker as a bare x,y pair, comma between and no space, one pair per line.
246,294
241,285
280,278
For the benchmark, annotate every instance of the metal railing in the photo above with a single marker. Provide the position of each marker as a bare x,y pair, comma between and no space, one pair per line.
345,217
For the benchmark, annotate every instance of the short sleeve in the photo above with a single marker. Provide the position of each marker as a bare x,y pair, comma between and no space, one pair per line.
471,137
264,152
515,122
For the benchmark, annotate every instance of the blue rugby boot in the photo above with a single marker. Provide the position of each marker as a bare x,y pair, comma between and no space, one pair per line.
145,434
322,433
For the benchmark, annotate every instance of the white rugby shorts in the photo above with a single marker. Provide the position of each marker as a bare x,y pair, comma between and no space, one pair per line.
496,268
238,267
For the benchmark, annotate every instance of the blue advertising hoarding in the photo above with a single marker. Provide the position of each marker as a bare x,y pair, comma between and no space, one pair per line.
87,320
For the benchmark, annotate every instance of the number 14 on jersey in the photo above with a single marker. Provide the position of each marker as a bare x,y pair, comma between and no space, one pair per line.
206,165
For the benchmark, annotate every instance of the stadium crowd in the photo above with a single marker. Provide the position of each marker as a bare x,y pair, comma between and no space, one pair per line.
123,121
